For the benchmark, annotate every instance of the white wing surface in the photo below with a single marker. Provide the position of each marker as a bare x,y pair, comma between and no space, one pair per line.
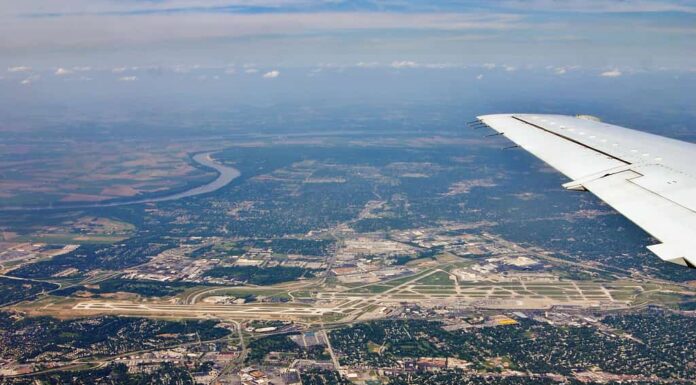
648,178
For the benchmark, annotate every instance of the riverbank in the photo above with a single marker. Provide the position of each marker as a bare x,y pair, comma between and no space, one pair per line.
225,176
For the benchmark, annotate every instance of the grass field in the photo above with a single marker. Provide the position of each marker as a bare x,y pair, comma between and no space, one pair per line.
438,278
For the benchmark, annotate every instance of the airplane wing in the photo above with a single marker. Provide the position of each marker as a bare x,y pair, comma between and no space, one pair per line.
648,178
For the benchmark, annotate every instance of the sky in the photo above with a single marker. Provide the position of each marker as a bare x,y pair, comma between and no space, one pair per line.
108,60
68,36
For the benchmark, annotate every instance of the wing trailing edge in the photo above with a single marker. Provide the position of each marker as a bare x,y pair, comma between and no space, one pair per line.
649,179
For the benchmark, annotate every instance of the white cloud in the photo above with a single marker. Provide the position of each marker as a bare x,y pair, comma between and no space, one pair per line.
180,69
120,70
371,64
602,6
82,69
271,74
611,73
230,71
91,27
399,64
509,68
562,70
62,72
404,64
208,77
89,30
109,6
19,69
251,71
128,78
479,77
30,79
439,66
489,66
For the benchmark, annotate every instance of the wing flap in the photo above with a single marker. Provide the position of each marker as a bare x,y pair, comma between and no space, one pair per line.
678,187
647,178
674,225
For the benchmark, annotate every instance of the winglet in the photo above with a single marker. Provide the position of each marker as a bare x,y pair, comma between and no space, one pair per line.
681,254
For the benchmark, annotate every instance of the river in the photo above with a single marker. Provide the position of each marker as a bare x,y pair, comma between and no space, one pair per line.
226,175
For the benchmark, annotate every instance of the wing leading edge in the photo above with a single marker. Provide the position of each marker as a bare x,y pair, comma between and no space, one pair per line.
648,178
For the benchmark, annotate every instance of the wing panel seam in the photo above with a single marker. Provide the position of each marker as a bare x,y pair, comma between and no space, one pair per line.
572,140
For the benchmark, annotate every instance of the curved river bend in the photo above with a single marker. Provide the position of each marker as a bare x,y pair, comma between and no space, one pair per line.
226,175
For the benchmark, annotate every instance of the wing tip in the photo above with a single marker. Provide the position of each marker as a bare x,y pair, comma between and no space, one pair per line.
678,254
493,116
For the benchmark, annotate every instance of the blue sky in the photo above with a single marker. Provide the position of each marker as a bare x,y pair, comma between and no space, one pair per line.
621,36
78,61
